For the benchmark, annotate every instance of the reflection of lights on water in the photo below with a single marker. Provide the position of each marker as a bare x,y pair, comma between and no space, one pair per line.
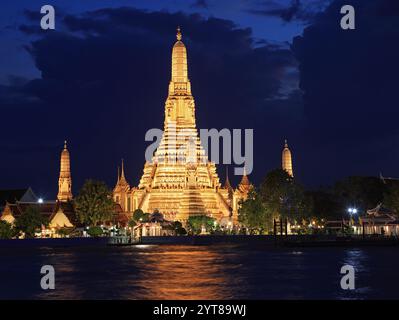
209,276
297,252
143,246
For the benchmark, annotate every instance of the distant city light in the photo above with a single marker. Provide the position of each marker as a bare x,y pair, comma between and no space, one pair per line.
40,200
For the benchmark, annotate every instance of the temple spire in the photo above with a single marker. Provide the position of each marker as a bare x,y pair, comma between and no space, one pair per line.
287,159
245,185
122,178
65,178
178,35
227,184
179,83
244,179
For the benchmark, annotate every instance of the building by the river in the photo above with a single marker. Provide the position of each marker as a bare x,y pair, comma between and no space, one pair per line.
178,182
59,213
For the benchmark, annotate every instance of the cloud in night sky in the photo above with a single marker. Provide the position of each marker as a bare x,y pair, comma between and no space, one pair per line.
203,4
297,10
350,80
104,78
104,81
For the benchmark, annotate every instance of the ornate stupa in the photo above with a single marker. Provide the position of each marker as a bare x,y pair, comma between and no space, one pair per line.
65,178
287,160
179,181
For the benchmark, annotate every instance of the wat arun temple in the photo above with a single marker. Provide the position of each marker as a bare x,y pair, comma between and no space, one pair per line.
180,181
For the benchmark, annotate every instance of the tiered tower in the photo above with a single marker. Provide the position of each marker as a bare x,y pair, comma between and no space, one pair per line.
65,179
121,190
179,181
287,160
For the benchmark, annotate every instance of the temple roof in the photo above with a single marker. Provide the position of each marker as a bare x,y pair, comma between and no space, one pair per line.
47,209
121,182
227,184
245,185
244,179
382,212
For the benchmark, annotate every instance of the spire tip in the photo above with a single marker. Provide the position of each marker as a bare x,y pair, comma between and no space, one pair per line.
178,35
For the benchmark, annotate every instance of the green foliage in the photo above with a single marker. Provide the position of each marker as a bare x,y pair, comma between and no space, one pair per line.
253,214
63,232
131,222
361,192
30,221
137,215
146,217
391,198
95,231
282,196
325,205
94,204
179,230
195,223
7,231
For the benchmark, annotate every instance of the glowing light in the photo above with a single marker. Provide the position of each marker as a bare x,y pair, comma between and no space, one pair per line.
352,210
40,200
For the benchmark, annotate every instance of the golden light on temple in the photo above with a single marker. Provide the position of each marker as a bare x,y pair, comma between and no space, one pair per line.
287,160
180,181
65,178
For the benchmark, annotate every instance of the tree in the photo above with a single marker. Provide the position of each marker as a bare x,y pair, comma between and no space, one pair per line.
325,205
391,198
65,232
282,196
94,203
178,227
95,231
30,221
195,223
137,215
361,192
253,214
7,231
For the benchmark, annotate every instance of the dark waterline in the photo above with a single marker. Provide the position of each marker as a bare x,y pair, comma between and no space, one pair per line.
198,272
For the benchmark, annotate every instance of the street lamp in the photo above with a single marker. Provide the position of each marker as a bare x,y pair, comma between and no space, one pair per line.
352,211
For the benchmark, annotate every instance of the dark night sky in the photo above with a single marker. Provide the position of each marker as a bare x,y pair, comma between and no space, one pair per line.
284,68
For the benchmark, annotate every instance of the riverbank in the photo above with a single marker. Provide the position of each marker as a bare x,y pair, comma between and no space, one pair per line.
259,240
276,241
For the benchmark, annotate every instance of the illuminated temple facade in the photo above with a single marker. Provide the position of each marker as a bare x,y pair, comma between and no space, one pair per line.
287,160
180,181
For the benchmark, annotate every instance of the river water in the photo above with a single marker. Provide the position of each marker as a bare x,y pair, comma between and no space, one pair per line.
198,272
